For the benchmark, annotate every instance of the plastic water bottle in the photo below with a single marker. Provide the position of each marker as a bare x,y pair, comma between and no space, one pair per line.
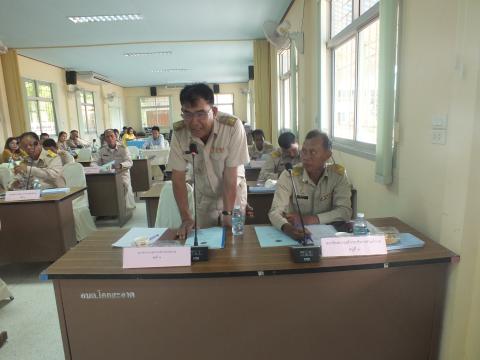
360,225
36,184
237,221
140,154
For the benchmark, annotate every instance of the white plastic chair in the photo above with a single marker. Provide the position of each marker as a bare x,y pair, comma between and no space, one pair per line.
84,155
5,177
75,177
168,215
4,293
134,152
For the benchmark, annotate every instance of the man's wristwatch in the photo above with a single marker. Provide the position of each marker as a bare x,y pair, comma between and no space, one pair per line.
226,213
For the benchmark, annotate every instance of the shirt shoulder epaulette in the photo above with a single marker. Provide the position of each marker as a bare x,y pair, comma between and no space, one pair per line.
297,170
178,125
337,169
227,120
276,154
51,154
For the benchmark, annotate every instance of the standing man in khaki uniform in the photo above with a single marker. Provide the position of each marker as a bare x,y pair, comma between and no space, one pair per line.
288,153
219,170
46,167
119,154
323,191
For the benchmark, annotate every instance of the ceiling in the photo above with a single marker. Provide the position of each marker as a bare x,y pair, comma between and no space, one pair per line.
211,39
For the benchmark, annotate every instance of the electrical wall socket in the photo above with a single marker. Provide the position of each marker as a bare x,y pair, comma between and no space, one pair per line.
439,122
439,136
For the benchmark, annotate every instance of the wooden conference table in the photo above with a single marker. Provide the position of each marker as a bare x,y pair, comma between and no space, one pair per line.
37,230
260,202
106,196
252,303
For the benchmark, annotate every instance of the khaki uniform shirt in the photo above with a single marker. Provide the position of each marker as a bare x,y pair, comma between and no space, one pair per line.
275,164
329,199
74,144
47,169
257,154
226,147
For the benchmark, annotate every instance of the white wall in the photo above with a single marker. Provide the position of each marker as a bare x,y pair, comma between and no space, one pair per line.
66,102
436,188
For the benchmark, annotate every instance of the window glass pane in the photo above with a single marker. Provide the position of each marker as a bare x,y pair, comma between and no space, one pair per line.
344,90
154,101
287,123
90,116
30,88
226,108
342,15
47,117
366,4
34,119
285,62
368,84
44,91
156,116
223,98
88,97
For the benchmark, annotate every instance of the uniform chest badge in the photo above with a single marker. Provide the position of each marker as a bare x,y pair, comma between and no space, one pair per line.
325,197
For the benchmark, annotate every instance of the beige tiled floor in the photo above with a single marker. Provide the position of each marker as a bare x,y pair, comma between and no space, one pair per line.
31,319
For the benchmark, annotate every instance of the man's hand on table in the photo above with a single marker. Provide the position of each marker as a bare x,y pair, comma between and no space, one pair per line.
185,228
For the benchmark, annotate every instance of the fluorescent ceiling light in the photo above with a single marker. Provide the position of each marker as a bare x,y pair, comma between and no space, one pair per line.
170,70
166,52
104,18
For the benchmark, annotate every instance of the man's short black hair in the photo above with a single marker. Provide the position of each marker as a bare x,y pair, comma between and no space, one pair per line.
258,132
155,128
29,134
72,131
190,94
44,134
326,142
286,140
49,143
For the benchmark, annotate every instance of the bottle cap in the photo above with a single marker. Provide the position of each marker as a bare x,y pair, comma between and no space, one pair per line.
360,215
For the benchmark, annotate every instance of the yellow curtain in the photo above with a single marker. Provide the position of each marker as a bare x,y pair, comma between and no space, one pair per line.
262,92
13,87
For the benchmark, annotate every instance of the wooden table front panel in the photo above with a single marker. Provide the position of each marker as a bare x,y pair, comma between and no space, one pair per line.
36,231
141,175
362,314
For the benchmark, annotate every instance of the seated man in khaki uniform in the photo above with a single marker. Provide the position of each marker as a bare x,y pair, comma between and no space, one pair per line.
323,190
219,170
42,165
119,154
288,153
259,147
51,145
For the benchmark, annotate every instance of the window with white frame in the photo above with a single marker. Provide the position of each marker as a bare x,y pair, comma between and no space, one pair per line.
224,103
354,50
41,107
87,112
287,89
155,111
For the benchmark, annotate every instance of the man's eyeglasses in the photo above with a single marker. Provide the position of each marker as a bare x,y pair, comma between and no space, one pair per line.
201,115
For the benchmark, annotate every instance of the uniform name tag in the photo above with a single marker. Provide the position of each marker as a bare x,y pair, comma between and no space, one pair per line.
354,245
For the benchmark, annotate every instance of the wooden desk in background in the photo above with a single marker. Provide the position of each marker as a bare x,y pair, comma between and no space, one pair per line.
252,303
141,174
37,230
151,198
106,196
261,204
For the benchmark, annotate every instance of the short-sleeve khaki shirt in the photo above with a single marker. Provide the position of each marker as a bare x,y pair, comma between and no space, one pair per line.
275,164
226,147
329,200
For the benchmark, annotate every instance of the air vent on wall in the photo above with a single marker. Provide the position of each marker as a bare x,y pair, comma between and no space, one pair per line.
92,77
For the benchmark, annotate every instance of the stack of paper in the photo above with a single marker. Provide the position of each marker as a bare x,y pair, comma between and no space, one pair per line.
128,240
213,237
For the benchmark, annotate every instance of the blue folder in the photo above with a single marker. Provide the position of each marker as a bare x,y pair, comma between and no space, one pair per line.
261,190
268,236
407,241
137,143
213,237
